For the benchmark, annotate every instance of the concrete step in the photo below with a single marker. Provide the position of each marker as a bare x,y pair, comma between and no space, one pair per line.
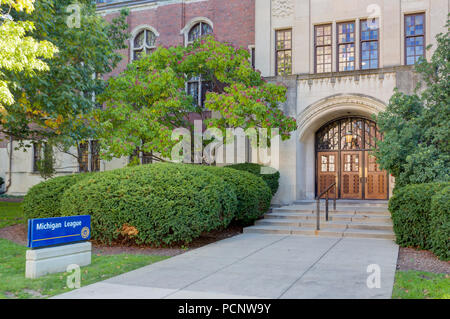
352,217
366,233
324,231
346,202
339,210
331,224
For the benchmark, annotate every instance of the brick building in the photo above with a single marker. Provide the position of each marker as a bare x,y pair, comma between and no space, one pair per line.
152,23
170,22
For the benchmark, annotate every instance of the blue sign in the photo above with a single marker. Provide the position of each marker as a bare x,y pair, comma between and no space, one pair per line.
58,230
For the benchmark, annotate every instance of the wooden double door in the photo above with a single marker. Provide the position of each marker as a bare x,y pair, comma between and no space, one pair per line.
349,163
356,172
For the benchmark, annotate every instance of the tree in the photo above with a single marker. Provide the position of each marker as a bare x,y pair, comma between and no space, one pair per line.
416,127
148,100
19,54
55,105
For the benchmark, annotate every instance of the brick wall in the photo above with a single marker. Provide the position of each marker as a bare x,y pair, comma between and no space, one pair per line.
234,21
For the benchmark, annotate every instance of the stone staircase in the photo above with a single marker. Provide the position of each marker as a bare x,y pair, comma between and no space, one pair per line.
352,218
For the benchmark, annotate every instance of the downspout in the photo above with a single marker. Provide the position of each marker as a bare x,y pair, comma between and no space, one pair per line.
8,184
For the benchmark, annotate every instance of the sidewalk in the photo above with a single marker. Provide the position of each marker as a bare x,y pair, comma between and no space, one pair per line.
260,266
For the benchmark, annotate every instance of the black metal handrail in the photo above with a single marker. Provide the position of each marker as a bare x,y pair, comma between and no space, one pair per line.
326,191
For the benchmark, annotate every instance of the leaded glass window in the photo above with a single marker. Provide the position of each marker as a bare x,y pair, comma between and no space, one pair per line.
352,133
323,49
199,30
369,45
283,52
143,42
346,46
414,37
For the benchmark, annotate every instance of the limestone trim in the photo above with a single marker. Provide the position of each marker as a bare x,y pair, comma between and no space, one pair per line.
191,24
134,34
282,8
361,104
141,27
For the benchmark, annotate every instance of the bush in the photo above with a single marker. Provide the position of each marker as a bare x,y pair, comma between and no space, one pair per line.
152,204
410,208
1,181
440,224
44,199
271,178
253,195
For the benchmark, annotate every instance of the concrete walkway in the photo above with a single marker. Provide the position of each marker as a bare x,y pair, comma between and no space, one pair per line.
260,266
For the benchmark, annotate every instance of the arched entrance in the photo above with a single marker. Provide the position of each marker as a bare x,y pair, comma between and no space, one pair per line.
343,154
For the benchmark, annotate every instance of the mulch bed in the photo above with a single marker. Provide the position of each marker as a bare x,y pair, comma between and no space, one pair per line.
421,260
18,234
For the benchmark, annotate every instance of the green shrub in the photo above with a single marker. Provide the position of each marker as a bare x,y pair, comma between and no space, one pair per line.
271,176
253,195
152,204
410,208
440,224
44,199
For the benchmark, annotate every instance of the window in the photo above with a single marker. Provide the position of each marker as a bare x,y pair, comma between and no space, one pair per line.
42,157
196,86
37,155
253,57
95,156
199,30
283,55
147,158
369,45
414,37
83,157
323,50
89,156
143,42
346,46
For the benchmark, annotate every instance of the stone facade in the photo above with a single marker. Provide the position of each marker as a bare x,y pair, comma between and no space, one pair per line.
315,99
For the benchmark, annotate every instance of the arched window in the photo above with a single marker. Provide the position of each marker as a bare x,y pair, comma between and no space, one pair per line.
196,86
143,42
199,30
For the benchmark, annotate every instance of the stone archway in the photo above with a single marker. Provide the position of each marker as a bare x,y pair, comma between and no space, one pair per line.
316,115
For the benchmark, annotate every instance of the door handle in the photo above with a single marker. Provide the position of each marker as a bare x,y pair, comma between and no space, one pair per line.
363,179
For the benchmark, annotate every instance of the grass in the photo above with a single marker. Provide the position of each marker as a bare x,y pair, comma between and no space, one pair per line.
11,214
413,284
13,283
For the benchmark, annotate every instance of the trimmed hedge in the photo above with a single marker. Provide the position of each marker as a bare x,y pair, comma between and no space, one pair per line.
253,194
271,178
44,199
153,204
411,214
440,224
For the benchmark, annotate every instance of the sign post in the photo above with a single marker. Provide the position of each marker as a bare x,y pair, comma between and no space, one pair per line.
57,243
